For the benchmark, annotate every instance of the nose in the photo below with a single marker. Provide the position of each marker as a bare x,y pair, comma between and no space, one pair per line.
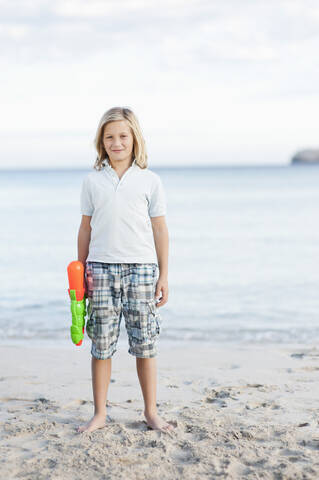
116,144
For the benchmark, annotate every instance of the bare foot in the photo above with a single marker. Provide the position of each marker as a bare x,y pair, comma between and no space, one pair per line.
97,421
157,423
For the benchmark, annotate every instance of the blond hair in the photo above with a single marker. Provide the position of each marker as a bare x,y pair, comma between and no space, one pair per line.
139,148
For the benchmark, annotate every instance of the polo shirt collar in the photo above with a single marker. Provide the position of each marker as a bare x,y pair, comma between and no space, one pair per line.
113,176
106,164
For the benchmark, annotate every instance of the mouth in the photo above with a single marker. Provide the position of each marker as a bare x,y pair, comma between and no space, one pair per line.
117,151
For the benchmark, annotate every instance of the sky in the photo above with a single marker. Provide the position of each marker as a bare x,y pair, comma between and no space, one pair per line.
211,82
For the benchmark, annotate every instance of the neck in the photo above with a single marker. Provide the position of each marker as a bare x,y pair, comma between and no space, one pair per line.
120,166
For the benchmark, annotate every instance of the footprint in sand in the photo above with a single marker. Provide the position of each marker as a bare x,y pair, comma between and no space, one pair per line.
254,405
310,368
311,353
262,388
218,396
297,355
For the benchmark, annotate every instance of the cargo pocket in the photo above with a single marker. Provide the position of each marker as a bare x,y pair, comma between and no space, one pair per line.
153,320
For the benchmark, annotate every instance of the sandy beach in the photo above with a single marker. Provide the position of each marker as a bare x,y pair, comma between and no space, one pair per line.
247,412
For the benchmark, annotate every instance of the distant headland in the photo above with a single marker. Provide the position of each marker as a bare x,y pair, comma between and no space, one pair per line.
309,156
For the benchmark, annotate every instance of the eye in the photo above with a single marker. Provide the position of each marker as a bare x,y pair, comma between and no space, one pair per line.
124,135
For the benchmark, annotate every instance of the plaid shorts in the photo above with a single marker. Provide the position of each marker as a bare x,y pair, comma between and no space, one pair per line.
128,288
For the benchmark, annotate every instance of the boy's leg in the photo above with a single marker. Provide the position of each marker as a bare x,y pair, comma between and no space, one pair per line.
147,374
142,321
146,371
103,327
101,377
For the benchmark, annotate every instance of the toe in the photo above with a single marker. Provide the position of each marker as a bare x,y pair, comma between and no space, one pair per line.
169,427
166,428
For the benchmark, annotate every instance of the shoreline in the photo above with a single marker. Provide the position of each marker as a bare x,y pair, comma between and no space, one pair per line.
164,344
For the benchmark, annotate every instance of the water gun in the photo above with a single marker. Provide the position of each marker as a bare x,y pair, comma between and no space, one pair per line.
77,296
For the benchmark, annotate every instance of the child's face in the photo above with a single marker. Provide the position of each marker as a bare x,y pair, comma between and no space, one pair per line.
118,141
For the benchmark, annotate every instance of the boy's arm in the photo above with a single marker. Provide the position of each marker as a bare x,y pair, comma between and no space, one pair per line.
84,237
161,241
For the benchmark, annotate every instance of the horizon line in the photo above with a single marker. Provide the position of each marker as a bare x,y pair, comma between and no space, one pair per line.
163,167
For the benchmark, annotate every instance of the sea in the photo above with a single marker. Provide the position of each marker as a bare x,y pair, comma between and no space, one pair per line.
243,255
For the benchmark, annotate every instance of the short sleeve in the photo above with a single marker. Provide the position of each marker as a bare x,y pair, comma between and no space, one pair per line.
87,207
157,203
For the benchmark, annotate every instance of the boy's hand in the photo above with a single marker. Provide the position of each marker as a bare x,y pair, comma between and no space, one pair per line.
161,291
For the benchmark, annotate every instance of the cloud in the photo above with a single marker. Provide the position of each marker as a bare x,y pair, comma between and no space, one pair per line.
236,30
197,73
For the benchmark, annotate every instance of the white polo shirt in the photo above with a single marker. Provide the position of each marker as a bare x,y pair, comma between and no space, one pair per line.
121,210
